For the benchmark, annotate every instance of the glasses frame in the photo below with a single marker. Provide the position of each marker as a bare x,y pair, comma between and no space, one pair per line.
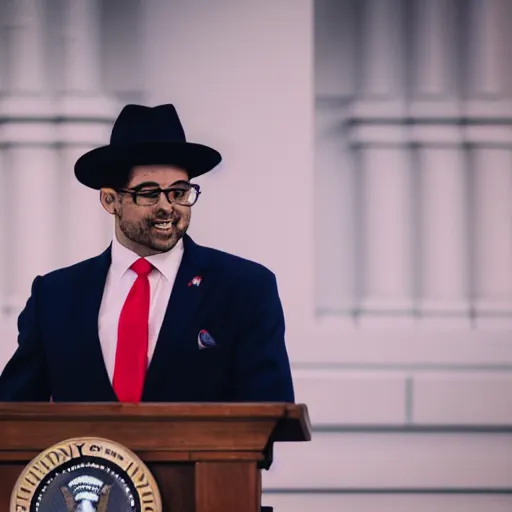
133,192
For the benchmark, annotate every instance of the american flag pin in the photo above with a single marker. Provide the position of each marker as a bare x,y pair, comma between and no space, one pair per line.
196,281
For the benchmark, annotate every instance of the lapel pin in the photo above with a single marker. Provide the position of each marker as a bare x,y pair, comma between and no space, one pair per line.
205,339
196,281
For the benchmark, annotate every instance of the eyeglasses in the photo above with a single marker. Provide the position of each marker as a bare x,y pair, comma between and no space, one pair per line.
185,195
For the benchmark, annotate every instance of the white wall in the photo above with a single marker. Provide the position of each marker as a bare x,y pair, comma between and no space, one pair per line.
241,77
407,414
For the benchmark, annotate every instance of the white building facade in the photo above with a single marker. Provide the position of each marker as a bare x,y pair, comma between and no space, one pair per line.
367,162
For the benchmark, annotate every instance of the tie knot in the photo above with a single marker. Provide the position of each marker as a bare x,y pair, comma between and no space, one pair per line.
142,267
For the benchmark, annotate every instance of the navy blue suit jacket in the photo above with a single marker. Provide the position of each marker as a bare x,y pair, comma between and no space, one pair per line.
59,353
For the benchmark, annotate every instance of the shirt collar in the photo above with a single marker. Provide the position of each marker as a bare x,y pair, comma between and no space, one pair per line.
165,262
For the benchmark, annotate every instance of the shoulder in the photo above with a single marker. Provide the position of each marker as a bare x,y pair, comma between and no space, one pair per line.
237,266
237,274
251,286
77,270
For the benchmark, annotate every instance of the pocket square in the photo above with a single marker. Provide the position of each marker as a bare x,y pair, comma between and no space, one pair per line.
205,340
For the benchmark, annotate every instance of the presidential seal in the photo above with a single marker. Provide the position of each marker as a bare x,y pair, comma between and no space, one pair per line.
86,475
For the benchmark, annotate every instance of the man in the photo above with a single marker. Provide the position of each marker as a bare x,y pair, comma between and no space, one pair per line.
156,317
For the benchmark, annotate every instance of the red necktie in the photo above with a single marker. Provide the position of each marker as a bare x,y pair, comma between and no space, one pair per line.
132,337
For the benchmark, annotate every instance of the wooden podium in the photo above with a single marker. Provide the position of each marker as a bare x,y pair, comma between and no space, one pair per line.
203,457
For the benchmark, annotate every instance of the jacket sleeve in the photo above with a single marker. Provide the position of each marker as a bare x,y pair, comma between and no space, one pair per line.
24,377
262,368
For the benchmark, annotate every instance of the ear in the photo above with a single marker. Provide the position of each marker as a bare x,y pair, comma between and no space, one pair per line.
108,198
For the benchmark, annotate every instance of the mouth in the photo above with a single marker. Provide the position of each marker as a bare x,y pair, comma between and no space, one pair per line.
164,226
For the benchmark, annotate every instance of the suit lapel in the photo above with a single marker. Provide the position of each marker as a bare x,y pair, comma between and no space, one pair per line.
183,303
100,387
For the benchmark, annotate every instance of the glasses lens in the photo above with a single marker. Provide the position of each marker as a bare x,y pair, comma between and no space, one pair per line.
183,195
147,197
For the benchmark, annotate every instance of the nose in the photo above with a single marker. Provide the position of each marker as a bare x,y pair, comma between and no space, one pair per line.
163,203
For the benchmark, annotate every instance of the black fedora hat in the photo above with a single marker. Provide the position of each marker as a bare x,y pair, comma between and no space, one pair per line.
144,136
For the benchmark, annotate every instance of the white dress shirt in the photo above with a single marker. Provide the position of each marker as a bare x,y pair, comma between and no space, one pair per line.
120,279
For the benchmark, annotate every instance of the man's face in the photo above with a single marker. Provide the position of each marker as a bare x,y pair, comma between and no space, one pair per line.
149,229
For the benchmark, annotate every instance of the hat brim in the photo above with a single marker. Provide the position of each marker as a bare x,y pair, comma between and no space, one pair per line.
109,166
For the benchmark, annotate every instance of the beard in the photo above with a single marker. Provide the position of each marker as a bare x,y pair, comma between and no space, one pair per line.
144,233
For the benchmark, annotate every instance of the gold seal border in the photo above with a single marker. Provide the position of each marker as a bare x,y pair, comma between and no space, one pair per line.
76,448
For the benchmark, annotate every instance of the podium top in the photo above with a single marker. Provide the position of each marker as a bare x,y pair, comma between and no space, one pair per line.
292,421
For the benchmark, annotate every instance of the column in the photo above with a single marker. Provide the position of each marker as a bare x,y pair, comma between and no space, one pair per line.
81,44
335,81
24,38
382,71
490,91
8,313
336,31
493,231
380,92
489,68
334,214
383,212
88,114
434,61
3,236
488,50
387,215
29,158
35,227
444,233
82,93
